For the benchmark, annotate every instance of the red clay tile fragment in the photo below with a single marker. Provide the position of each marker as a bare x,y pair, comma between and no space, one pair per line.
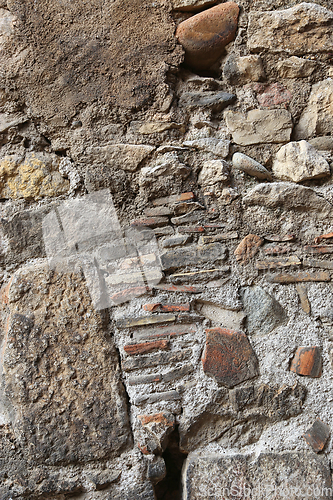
128,294
307,361
144,348
229,357
191,229
317,435
151,307
205,35
327,236
248,247
274,94
166,307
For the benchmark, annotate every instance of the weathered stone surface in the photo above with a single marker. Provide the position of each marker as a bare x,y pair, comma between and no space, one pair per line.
157,127
247,248
68,371
162,358
301,276
174,198
156,470
176,241
307,362
205,35
317,117
317,435
229,357
144,320
216,101
296,67
318,249
124,156
303,296
279,237
191,5
322,143
144,379
323,264
259,126
274,263
264,312
213,172
158,426
239,70
193,255
299,161
210,144
232,320
164,331
165,165
7,121
191,229
302,29
178,373
289,196
250,166
214,476
233,235
157,397
273,95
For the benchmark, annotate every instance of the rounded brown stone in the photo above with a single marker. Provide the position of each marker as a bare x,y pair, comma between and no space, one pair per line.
205,35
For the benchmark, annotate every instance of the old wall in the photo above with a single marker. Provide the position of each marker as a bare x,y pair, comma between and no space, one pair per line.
166,235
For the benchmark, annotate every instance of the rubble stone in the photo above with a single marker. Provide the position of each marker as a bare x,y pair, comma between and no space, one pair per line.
240,70
296,67
264,312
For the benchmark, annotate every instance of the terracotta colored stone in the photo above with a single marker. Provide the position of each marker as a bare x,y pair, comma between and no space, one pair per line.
274,94
151,307
248,247
317,435
144,348
229,357
307,361
205,35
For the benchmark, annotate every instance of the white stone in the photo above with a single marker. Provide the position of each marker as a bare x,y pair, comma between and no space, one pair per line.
224,317
302,29
296,67
191,5
250,166
210,144
299,161
259,126
213,172
168,164
7,121
317,118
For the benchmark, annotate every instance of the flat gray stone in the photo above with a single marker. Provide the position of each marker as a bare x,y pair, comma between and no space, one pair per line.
264,312
212,100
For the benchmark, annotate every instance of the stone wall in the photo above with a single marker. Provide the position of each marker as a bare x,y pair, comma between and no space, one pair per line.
166,230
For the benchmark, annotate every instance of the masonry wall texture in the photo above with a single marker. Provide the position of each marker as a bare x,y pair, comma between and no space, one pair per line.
211,124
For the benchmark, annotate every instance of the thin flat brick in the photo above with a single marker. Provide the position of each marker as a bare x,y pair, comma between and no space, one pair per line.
129,293
302,276
323,264
146,347
178,240
188,218
303,297
292,260
327,236
318,249
161,358
247,248
165,331
157,211
279,238
193,255
229,357
317,436
157,396
175,198
219,237
134,277
307,362
179,288
163,231
199,275
144,379
150,222
145,320
278,250
166,307
191,229
177,373
151,307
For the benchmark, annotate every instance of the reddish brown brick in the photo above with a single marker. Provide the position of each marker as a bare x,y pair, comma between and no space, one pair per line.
144,348
317,435
327,236
159,419
167,307
129,294
151,222
151,307
302,276
229,357
248,247
307,361
174,198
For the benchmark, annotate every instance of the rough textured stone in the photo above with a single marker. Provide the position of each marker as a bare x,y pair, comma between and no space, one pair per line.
273,95
322,143
191,5
301,276
240,70
65,379
232,320
299,161
193,255
213,172
162,358
229,357
174,198
144,320
307,361
317,435
176,241
259,126
264,312
275,263
247,248
303,296
205,35
302,29
296,67
210,144
250,166
289,196
124,156
216,101
271,474
317,117
159,427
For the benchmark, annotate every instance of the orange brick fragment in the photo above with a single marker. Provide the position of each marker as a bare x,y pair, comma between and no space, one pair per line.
151,307
307,361
144,348
248,247
327,236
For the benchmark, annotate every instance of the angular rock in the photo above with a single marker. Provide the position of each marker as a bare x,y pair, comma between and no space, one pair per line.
210,144
191,5
264,312
299,161
214,476
205,35
12,120
296,67
301,276
317,117
322,143
259,126
303,29
307,361
216,101
156,470
158,426
213,172
123,156
229,357
273,95
193,255
232,320
247,248
317,435
166,165
240,70
250,166
289,196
